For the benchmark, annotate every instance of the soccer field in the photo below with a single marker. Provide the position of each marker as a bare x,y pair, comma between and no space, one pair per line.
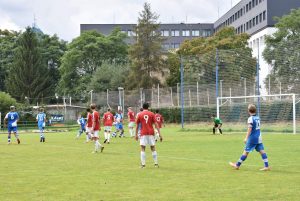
193,166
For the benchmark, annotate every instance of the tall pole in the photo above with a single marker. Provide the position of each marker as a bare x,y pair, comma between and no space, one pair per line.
197,93
107,98
221,89
178,94
141,96
158,95
230,95
294,113
91,96
217,73
280,89
245,89
258,85
182,92
171,90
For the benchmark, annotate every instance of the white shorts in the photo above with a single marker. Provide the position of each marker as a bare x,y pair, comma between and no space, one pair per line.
95,134
147,140
107,128
88,129
131,124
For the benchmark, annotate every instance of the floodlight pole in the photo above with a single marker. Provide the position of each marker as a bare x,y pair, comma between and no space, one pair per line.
217,81
182,92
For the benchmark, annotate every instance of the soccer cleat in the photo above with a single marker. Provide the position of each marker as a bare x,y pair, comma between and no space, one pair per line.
41,140
101,150
94,152
18,141
234,165
105,141
265,169
9,143
156,165
143,166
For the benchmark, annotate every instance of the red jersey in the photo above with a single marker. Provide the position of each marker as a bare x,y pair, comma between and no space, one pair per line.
131,116
159,119
96,120
108,119
89,120
147,119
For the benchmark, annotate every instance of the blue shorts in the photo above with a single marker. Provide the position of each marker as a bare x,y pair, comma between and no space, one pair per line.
250,147
119,126
12,129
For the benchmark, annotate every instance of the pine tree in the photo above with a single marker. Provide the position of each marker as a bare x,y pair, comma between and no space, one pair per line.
146,54
28,76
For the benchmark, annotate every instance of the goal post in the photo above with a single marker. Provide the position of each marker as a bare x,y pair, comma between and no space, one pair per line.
277,111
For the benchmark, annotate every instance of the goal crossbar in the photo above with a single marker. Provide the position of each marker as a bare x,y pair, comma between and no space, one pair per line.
261,96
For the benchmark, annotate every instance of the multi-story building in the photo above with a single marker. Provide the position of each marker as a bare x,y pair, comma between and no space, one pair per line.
175,33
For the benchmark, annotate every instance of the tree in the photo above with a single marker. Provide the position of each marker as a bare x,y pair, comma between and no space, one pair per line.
235,59
108,76
29,76
85,54
282,53
173,63
146,55
7,48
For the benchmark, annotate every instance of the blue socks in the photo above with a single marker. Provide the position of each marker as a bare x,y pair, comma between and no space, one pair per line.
241,160
265,159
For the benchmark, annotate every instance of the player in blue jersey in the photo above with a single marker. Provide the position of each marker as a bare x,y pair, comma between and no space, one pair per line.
81,121
253,140
12,119
119,123
41,119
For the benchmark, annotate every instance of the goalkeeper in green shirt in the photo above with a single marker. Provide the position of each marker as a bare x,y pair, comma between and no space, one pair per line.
217,124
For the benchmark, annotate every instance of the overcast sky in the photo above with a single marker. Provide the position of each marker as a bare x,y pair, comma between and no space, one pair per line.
64,17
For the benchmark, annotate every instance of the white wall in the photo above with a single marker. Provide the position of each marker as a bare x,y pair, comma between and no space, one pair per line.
257,43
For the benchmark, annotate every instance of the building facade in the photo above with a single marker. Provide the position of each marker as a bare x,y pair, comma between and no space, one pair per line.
175,33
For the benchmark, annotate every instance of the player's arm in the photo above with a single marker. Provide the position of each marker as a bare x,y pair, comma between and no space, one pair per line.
137,128
5,120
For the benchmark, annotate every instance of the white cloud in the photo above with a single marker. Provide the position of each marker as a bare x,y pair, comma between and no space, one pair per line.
64,17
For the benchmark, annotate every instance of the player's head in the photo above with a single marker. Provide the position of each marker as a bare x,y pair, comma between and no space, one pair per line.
157,111
88,109
93,106
146,106
141,109
41,109
108,109
251,109
213,116
129,109
12,108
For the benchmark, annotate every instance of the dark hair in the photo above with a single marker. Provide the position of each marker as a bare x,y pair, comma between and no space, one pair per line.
146,106
41,109
252,109
93,106
141,109
88,109
108,109
157,111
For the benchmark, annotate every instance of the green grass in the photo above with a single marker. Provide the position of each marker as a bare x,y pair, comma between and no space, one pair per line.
193,166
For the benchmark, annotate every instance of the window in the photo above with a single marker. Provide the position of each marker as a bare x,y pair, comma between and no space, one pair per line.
250,24
206,33
186,33
175,45
195,33
175,33
235,16
130,33
253,3
164,33
260,17
264,15
247,8
250,5
253,22
166,46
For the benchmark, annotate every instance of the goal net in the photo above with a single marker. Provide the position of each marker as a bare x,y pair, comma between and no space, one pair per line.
278,113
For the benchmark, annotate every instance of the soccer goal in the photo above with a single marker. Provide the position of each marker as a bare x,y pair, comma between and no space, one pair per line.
277,112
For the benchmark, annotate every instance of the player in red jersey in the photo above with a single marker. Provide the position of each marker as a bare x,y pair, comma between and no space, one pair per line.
131,120
89,124
147,119
160,121
108,119
96,128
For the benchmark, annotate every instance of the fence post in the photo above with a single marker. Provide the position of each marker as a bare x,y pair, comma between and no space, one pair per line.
157,95
207,93
171,90
230,95
141,97
197,93
190,98
182,92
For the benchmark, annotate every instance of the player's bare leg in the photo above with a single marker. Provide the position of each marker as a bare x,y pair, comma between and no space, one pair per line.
240,161
17,137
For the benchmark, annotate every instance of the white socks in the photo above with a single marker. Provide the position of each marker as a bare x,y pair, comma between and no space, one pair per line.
154,156
97,145
143,158
108,137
